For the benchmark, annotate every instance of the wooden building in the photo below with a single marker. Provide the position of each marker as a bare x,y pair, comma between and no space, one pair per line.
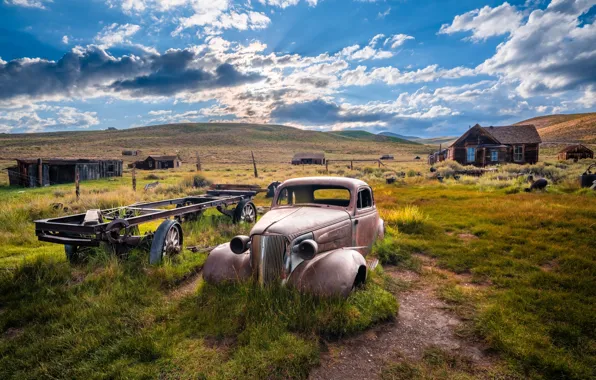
438,156
131,152
309,159
482,146
45,172
159,162
576,152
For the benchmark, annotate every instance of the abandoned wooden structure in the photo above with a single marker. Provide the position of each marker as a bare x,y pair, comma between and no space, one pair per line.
387,157
309,159
52,171
159,162
576,152
131,152
482,146
438,156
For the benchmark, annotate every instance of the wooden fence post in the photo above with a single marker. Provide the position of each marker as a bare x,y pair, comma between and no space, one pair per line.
351,165
254,164
327,166
40,172
77,189
134,176
198,162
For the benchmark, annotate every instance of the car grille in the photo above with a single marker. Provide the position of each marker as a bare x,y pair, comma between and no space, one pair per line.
267,257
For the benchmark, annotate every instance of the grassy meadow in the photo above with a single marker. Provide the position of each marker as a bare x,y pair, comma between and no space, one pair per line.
532,256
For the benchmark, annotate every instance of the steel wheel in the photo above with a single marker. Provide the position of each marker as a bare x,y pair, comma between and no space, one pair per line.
167,241
172,244
249,214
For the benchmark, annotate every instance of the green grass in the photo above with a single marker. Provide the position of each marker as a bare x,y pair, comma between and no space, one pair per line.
117,318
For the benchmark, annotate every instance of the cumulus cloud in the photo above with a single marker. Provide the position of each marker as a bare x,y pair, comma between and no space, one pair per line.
551,53
93,72
390,75
115,34
485,22
27,118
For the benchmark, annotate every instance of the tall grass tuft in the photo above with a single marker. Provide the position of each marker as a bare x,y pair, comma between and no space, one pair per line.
409,219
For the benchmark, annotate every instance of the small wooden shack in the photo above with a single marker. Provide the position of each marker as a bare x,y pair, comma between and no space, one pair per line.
158,162
387,157
52,171
131,152
309,159
576,152
438,156
482,146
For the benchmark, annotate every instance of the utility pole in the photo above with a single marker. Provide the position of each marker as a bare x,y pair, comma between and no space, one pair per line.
198,162
254,164
40,172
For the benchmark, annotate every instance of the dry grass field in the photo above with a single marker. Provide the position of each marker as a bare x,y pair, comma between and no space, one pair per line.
514,270
566,128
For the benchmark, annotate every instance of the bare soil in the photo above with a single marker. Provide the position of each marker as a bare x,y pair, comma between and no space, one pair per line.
423,321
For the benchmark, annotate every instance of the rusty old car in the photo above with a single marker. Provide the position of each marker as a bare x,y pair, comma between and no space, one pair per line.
314,238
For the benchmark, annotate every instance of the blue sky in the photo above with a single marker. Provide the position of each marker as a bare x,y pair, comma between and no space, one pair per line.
420,67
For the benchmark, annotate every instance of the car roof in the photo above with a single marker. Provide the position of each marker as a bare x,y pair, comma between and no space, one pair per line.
350,183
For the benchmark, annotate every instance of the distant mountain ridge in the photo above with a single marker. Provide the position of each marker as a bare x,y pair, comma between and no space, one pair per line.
411,138
421,140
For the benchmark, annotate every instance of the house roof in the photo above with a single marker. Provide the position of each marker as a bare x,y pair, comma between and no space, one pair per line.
163,158
576,148
62,161
316,156
515,134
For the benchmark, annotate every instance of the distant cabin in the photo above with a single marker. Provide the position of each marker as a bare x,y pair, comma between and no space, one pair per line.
158,162
131,152
53,171
387,157
576,152
308,159
482,146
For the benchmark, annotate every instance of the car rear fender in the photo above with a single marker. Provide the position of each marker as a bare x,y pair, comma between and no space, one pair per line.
223,265
332,273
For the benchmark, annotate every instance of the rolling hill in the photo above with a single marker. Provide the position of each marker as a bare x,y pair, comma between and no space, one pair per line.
367,136
216,142
421,140
565,128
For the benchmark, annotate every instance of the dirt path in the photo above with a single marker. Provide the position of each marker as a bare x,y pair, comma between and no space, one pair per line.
423,321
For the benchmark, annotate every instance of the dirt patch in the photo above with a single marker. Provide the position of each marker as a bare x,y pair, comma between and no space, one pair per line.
187,287
13,333
423,321
467,237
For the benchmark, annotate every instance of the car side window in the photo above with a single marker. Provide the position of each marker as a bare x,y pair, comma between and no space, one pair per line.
365,199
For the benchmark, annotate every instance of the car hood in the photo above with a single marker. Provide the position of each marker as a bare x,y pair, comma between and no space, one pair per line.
294,221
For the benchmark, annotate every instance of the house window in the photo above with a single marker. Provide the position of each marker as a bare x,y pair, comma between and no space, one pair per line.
471,154
494,155
518,153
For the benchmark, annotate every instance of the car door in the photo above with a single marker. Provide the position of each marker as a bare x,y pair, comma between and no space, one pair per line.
365,221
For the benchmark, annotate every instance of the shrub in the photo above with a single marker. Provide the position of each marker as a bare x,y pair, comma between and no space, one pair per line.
408,219
152,177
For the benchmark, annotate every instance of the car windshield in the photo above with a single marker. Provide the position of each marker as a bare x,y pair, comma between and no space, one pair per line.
314,195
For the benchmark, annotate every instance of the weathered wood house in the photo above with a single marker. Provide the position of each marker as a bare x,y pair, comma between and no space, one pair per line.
44,172
576,152
438,156
309,159
482,146
158,162
131,152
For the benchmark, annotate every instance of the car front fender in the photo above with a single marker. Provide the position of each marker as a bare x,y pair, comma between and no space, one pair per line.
332,273
223,265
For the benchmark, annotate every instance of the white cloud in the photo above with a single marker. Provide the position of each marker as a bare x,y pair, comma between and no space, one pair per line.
27,119
392,76
485,22
39,4
65,40
286,3
116,35
551,53
397,40
384,14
